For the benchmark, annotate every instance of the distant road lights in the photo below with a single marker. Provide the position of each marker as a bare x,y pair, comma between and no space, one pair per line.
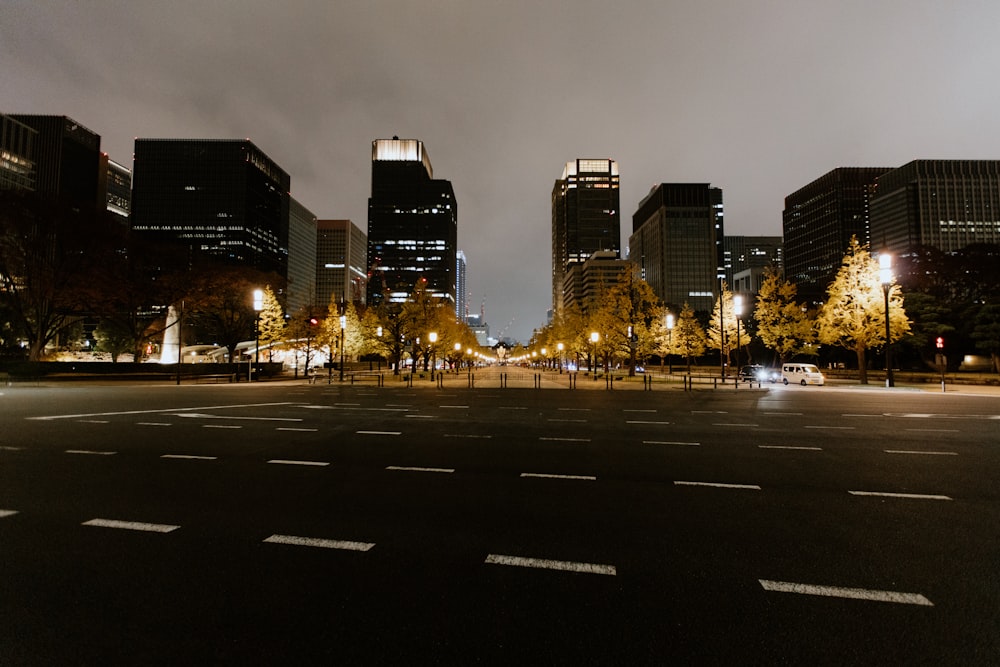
885,276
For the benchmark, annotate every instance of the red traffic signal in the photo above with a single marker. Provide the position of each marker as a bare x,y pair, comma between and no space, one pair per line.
940,343
312,321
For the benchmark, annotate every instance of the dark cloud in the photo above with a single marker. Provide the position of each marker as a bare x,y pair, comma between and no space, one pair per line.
757,97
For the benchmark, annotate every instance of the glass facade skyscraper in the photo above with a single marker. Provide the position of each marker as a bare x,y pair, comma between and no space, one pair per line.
412,225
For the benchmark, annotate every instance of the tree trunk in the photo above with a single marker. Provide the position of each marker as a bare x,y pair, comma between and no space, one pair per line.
862,365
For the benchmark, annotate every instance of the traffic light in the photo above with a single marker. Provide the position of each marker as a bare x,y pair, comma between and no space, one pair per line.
939,342
312,321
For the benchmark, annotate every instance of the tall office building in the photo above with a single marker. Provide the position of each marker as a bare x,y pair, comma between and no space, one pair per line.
223,198
412,224
677,241
748,257
586,217
945,204
300,287
341,262
586,283
67,160
17,154
818,223
461,296
116,184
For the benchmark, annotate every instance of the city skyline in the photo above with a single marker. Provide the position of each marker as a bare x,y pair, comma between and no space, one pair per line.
759,101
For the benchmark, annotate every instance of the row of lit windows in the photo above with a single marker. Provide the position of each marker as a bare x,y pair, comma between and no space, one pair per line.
433,209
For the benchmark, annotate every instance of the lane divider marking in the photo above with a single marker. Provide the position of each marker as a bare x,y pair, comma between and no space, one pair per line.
461,435
913,451
589,478
152,424
636,421
189,457
415,469
292,462
886,494
89,452
7,513
379,432
131,525
294,540
546,564
297,430
671,442
807,449
849,593
566,439
719,485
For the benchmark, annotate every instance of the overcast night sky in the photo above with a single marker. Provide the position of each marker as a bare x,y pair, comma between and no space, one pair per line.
756,97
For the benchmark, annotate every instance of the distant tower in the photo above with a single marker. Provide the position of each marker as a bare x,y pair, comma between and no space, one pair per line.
585,217
461,297
412,224
341,257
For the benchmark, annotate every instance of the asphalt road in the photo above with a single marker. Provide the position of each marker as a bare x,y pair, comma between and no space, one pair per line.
293,523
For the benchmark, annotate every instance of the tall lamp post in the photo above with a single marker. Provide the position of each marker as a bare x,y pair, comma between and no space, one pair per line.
432,337
343,339
885,275
738,311
670,343
722,328
258,305
559,348
594,338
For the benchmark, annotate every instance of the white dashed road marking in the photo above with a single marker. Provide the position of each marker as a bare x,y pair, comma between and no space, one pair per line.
808,449
88,451
379,432
719,485
590,478
415,469
6,513
850,593
318,542
566,439
913,451
545,564
290,462
190,457
671,442
131,525
886,494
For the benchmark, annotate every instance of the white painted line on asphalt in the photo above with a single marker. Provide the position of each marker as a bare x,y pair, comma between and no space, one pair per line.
833,428
638,421
88,451
861,415
455,407
545,564
589,478
131,525
198,415
191,457
709,412
463,435
157,411
421,416
93,421
294,540
933,430
398,405
8,448
220,426
297,430
338,407
292,462
504,407
733,424
572,421
576,410
783,414
566,439
671,442
638,410
6,513
379,432
347,404
720,485
914,451
415,469
807,449
850,593
153,424
886,494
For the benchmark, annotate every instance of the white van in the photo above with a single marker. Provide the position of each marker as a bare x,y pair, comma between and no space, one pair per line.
802,374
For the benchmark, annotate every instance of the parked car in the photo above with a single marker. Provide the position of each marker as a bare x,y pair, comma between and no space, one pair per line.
801,374
759,373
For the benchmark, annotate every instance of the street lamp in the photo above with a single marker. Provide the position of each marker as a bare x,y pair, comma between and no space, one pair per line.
670,343
738,311
559,348
258,305
594,337
343,338
722,328
885,275
432,337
